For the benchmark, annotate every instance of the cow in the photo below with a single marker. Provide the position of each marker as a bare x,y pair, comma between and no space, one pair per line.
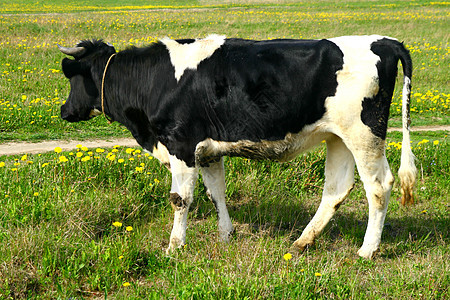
190,102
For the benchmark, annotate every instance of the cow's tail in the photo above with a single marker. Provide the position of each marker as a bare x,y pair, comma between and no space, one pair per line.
407,171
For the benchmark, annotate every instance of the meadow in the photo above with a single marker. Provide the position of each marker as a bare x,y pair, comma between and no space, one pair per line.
94,223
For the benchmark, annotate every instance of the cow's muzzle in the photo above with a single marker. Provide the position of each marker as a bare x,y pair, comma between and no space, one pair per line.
68,116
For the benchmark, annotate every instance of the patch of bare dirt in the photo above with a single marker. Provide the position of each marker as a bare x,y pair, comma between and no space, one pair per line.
423,128
41,147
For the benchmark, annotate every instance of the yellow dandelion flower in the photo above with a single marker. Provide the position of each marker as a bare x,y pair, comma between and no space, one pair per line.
125,284
139,169
436,142
84,148
24,158
121,257
58,150
156,180
129,150
317,274
112,157
62,158
2,164
99,150
36,194
117,224
14,169
45,164
86,158
287,256
120,160
79,146
24,97
79,154
129,228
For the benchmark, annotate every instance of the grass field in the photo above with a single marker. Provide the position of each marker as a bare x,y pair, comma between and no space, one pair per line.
94,223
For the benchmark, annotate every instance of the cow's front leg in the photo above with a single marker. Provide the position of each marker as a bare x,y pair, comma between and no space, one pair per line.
214,179
181,197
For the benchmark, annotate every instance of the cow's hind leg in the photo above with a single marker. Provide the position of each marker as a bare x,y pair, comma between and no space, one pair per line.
376,175
181,197
214,179
339,180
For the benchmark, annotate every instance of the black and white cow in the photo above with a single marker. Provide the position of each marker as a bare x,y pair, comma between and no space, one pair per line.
190,102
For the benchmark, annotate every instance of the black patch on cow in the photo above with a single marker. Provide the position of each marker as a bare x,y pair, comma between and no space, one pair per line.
375,110
177,201
263,90
140,127
185,41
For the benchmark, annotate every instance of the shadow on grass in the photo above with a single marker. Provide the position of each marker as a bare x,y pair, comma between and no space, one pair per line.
405,231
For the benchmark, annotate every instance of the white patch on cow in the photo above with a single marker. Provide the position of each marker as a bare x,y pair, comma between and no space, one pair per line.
183,177
95,112
188,56
161,153
357,80
183,184
214,179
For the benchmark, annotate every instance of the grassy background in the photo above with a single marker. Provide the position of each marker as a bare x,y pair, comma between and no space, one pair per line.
56,218
32,86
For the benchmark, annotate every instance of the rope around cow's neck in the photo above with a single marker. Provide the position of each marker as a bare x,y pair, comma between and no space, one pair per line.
103,89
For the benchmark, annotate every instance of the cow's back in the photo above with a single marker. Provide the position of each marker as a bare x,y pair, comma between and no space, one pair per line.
260,90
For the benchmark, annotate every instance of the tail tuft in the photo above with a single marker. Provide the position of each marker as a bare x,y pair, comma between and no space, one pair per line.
407,171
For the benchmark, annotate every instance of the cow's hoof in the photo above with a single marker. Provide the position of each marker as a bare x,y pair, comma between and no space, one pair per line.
367,252
225,235
174,244
302,245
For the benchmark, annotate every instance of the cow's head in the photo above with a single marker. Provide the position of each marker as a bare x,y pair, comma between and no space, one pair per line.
85,74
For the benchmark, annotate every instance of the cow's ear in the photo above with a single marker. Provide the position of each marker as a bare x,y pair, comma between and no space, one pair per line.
71,67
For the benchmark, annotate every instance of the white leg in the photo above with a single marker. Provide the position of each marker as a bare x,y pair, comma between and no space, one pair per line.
339,180
181,197
214,179
378,181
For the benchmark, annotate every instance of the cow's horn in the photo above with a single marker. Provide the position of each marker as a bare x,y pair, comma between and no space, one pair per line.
75,51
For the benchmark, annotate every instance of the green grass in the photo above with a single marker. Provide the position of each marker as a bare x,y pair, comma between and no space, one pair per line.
56,231
32,86
59,240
